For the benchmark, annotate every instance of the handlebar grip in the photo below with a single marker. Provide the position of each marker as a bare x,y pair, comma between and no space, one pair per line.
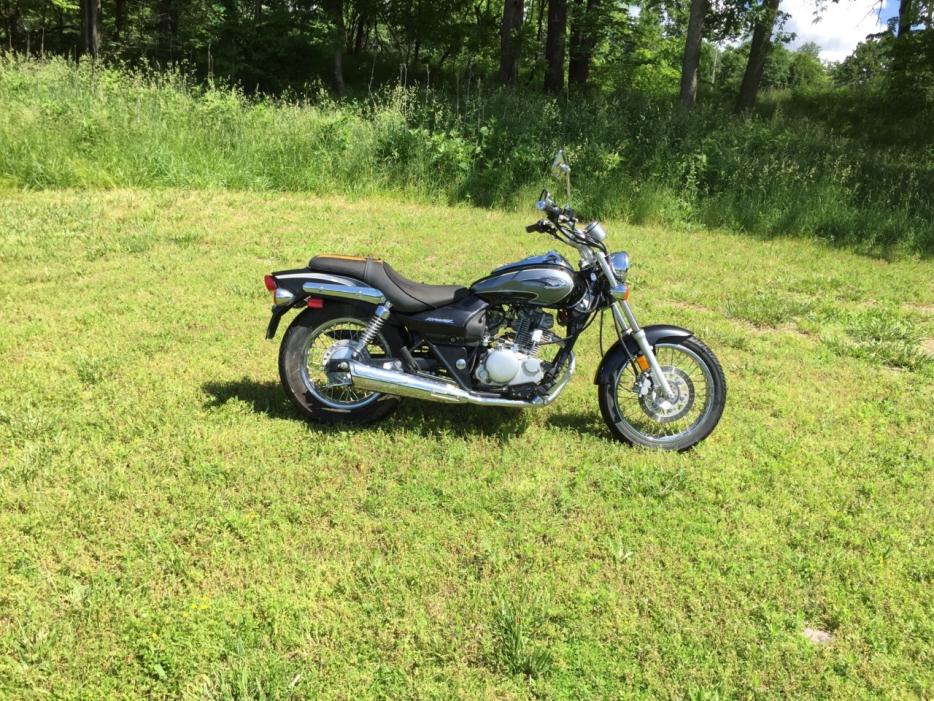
533,228
545,206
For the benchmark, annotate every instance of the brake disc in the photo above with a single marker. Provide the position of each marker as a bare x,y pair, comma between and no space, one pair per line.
660,408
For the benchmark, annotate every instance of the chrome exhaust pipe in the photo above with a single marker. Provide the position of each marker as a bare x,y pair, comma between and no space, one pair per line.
404,384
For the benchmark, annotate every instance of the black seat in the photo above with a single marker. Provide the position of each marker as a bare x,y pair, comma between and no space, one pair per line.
407,296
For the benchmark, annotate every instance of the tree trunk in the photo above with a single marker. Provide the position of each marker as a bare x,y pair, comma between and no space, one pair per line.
358,36
340,39
119,19
905,12
168,25
90,26
758,51
509,49
584,31
554,45
692,49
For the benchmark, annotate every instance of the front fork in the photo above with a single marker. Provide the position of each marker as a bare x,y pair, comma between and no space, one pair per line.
625,319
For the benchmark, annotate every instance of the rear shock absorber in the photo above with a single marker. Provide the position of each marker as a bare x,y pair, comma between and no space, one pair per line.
380,314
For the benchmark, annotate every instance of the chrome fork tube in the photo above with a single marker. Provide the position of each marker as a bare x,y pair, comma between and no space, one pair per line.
622,308
625,319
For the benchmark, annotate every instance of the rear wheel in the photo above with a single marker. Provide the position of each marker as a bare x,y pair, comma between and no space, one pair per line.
311,339
638,413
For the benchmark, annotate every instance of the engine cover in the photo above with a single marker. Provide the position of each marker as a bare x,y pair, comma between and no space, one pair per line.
503,366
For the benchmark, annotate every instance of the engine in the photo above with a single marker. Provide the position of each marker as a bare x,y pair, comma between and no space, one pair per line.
512,355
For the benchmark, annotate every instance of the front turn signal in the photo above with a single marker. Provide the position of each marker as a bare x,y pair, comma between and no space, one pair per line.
620,292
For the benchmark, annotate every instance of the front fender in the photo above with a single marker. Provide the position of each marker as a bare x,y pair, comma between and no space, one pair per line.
623,351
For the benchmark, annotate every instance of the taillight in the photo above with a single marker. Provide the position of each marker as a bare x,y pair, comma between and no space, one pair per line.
270,283
315,303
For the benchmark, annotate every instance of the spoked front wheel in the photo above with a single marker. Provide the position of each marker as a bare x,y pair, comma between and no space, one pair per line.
638,412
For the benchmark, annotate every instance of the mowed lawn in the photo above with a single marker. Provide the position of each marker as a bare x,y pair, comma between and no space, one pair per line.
170,527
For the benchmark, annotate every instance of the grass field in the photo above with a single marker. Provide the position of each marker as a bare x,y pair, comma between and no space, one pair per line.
170,528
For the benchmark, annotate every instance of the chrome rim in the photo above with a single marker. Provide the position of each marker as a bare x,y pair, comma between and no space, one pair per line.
654,418
334,389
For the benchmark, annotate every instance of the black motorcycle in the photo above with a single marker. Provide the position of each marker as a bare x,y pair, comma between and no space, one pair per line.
367,336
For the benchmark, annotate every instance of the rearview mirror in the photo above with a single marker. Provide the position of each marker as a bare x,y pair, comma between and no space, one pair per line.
562,171
559,166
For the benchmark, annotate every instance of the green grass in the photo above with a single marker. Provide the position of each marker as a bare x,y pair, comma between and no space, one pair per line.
170,528
635,157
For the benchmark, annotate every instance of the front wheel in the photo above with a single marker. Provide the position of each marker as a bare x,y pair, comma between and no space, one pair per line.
638,413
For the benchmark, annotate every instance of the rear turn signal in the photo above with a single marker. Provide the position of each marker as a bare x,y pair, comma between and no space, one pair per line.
270,283
315,303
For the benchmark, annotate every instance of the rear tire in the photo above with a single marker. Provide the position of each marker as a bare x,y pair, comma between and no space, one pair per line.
306,336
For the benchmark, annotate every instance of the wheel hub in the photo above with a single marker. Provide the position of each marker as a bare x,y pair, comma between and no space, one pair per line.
340,349
656,405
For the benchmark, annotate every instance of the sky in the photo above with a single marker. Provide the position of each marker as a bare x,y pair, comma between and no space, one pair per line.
841,27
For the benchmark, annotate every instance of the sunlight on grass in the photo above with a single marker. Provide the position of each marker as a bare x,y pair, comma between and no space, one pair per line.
171,528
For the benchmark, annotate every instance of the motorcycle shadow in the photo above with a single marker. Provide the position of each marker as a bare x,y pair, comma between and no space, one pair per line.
424,418
589,423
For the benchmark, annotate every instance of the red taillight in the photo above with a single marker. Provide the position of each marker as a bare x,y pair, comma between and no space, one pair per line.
270,283
315,303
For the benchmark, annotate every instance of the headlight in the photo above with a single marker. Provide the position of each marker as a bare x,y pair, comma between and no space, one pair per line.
620,264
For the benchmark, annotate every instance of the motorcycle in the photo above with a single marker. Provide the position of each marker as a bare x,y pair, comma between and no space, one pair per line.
367,336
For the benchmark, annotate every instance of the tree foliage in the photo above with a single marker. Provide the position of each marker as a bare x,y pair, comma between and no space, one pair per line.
274,46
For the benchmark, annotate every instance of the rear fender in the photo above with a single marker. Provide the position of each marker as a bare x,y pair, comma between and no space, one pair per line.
292,281
625,350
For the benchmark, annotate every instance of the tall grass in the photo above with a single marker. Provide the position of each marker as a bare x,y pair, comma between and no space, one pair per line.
91,126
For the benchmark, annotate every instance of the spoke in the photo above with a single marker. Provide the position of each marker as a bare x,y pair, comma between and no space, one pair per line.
687,374
343,331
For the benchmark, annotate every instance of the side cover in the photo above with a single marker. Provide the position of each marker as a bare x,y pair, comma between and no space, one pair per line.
462,322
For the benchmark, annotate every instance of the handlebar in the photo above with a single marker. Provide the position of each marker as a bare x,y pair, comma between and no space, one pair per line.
548,207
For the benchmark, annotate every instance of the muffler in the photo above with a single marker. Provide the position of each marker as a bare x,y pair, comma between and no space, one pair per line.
403,384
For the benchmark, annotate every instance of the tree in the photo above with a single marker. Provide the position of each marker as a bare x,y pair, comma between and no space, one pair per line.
90,26
692,51
905,17
806,69
340,40
585,30
167,23
555,44
758,51
509,47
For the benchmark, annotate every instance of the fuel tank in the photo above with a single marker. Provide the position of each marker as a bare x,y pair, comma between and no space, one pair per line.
546,281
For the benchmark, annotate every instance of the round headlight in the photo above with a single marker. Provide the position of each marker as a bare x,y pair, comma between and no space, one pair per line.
620,264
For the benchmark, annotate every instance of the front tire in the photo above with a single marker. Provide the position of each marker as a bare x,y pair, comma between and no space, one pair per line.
639,415
305,347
